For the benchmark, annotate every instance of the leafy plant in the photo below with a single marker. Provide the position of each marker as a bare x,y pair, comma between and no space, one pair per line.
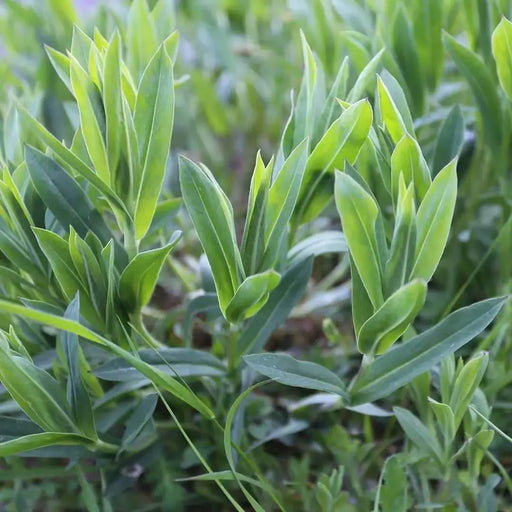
331,333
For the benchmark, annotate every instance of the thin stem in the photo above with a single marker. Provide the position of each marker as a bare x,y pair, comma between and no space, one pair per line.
137,323
197,453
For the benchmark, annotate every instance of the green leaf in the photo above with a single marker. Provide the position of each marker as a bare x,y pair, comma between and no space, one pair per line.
12,249
342,141
56,250
71,161
139,278
36,392
403,244
206,303
406,54
141,37
325,242
15,427
418,433
433,222
36,441
476,448
228,448
179,362
89,270
482,86
153,120
92,118
399,99
277,308
300,374
502,52
78,397
60,63
138,419
491,424
392,495
282,198
251,295
225,475
81,45
390,113
407,159
253,241
428,22
112,99
88,493
465,385
403,362
212,216
304,114
279,432
157,377
392,319
338,90
359,213
64,197
446,420
362,307
366,79
449,139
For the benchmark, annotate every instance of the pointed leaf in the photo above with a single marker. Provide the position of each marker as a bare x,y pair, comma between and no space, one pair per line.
36,392
407,159
281,201
36,441
139,278
391,320
212,216
291,372
157,377
433,222
138,419
92,118
78,397
251,295
482,86
418,433
359,213
112,99
404,362
502,52
153,119
64,197
342,141
449,139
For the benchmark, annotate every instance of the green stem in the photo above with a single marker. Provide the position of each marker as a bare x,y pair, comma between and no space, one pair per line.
105,447
231,350
138,324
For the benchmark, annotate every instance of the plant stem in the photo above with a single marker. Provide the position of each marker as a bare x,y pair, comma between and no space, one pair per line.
138,324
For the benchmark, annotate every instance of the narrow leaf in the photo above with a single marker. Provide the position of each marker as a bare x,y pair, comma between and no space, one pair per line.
291,372
153,120
139,278
433,222
391,320
359,213
403,362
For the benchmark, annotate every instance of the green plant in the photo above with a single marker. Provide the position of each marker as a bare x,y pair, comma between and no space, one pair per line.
102,227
